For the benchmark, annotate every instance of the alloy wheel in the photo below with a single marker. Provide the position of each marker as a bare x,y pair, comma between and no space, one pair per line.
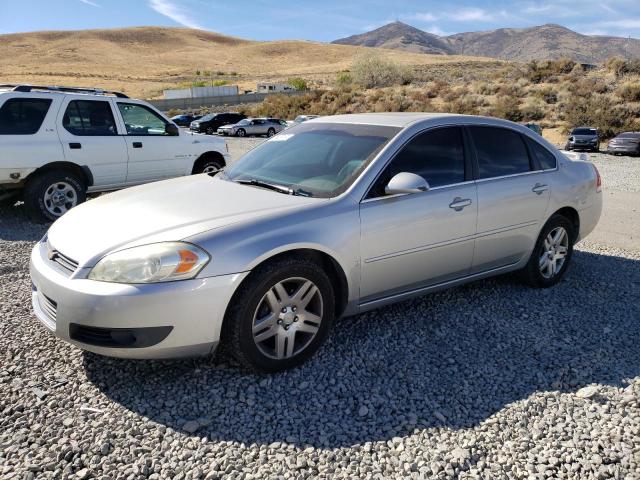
59,198
554,252
287,318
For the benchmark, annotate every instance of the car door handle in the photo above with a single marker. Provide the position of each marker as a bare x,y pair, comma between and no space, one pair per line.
75,146
459,203
137,144
539,188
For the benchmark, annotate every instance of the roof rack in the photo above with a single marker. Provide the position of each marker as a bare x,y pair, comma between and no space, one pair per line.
55,88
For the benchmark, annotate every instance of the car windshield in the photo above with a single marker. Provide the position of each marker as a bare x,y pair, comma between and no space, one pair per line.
208,117
300,119
243,122
584,131
313,159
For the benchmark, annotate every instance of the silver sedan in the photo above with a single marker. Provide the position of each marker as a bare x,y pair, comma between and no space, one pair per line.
254,126
333,217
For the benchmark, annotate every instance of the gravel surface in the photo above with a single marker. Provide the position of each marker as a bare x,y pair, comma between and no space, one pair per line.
618,172
489,380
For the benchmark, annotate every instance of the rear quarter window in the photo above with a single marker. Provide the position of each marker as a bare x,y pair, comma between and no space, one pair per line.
545,158
23,116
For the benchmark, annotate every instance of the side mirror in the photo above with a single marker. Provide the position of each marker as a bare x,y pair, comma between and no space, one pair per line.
405,182
171,129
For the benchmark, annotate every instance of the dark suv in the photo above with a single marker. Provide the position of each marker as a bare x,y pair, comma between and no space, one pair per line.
210,123
185,120
583,138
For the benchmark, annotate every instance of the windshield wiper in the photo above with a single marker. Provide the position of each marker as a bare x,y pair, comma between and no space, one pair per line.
271,186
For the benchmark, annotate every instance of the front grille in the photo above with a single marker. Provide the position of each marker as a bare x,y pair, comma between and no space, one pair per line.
48,306
68,264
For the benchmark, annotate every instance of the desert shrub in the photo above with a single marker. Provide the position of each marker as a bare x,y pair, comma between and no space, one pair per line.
629,92
484,88
620,66
548,70
507,108
373,71
547,94
343,79
465,105
219,83
173,112
532,111
509,90
298,83
597,111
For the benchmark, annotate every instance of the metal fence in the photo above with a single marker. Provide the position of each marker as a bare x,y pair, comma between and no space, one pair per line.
196,103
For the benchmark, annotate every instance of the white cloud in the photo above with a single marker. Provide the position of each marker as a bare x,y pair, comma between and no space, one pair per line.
423,17
89,2
471,15
175,12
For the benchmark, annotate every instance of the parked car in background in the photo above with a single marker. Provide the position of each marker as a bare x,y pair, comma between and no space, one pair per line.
534,127
300,119
59,143
583,138
210,123
254,126
627,143
184,120
339,216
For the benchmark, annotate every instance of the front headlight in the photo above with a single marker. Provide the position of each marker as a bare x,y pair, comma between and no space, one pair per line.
157,262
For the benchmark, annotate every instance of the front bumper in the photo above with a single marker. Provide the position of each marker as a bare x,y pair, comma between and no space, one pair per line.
582,146
224,132
631,148
173,319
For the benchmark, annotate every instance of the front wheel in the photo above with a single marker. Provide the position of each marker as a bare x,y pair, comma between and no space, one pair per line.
50,195
241,132
210,131
271,132
551,254
280,316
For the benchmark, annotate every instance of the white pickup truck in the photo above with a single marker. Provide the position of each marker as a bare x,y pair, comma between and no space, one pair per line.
59,143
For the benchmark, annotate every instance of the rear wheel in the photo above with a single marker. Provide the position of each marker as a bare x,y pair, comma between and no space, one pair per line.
280,316
209,166
50,195
551,255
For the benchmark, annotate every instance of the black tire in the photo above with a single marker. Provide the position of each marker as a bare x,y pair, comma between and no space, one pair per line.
208,166
567,147
37,187
241,132
210,131
531,273
271,132
237,333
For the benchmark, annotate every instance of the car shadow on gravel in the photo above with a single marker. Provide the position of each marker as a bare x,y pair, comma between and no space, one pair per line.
450,359
16,226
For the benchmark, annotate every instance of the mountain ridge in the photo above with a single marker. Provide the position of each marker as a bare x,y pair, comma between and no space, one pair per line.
548,41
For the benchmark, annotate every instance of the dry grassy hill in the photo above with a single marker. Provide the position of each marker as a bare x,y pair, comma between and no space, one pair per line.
144,60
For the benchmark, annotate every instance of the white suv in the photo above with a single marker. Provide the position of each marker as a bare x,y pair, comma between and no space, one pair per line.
57,144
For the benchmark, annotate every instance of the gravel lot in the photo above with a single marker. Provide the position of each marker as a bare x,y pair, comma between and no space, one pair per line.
490,380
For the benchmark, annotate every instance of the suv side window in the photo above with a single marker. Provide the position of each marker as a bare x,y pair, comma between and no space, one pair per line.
546,159
500,151
435,155
140,120
89,118
23,116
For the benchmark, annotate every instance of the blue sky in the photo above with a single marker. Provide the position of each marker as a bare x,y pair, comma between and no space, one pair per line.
322,20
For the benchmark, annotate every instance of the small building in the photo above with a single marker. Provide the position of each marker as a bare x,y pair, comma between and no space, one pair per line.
274,88
201,92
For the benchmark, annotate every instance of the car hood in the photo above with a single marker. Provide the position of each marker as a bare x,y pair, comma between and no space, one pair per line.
161,211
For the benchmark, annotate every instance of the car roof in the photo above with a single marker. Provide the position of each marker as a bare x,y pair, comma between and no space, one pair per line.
405,119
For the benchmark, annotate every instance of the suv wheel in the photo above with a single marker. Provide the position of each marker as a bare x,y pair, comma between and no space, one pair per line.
50,195
271,132
551,255
210,131
209,167
241,132
280,316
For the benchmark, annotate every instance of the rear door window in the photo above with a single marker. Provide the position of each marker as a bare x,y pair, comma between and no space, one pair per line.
89,118
500,152
23,116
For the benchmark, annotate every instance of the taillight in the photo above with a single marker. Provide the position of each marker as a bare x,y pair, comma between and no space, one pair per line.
598,179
